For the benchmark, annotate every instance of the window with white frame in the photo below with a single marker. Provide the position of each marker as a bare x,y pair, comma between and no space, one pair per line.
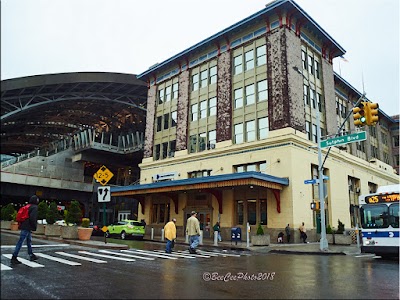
174,118
262,90
203,78
308,129
168,93
195,82
161,96
250,97
175,90
202,141
238,96
319,101
194,112
261,53
314,133
250,131
212,139
317,69
312,98
213,75
203,109
238,133
249,60
166,121
259,166
238,64
311,65
305,95
304,59
263,128
212,106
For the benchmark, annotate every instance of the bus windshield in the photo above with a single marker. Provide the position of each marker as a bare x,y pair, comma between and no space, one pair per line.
380,216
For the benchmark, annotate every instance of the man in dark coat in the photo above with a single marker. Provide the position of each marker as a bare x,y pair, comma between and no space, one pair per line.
27,227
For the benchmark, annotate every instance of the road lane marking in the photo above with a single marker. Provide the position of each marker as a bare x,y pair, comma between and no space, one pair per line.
176,254
57,259
98,261
5,268
218,253
127,255
107,256
36,246
149,253
196,254
26,262
365,255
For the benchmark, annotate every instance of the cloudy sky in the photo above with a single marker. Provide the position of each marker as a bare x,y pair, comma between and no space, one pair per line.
127,36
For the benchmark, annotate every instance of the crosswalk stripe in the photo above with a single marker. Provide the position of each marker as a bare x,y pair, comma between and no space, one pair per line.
57,259
107,256
36,246
176,254
5,268
218,253
127,255
98,261
196,254
26,262
149,253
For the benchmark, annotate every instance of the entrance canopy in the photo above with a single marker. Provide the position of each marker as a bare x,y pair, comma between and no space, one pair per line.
210,184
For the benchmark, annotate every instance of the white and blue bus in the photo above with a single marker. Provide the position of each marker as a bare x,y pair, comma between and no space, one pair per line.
379,214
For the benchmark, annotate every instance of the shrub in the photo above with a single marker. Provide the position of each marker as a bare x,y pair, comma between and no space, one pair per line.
74,214
42,210
260,230
14,216
329,229
85,222
7,212
340,227
52,213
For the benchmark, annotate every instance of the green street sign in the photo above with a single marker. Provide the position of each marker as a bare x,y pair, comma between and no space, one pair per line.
344,139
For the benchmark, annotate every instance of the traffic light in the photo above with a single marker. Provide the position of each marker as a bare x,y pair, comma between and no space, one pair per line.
371,112
314,205
359,114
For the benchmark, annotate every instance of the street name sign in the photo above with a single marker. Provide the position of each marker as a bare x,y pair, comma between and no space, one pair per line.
104,194
344,139
310,181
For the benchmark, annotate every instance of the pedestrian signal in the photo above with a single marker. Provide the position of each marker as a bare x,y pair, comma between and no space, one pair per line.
359,114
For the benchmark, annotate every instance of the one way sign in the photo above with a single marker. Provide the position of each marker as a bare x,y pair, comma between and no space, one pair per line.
104,194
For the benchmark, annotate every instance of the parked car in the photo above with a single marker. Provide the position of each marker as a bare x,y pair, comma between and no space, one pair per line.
125,229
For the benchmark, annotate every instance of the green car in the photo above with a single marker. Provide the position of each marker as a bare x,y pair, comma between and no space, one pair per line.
126,228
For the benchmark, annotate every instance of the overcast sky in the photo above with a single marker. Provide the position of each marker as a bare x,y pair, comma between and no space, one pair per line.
128,36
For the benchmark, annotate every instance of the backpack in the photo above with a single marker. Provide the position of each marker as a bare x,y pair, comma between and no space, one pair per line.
23,214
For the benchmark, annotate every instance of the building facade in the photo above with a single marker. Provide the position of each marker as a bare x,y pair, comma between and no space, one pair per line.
231,130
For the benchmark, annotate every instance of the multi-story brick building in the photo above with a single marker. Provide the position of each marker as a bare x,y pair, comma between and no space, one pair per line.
232,129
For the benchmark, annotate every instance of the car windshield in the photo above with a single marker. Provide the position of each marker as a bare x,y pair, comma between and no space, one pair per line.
374,216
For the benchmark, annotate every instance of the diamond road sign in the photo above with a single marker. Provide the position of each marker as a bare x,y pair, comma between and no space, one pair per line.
103,175
344,139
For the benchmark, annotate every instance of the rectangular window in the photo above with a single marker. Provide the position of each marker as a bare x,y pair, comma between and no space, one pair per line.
195,82
240,169
238,64
213,75
314,133
316,65
262,90
250,98
194,112
239,212
161,96
308,129
166,121
304,59
172,148
263,128
319,101
202,141
261,53
212,139
193,144
310,65
203,109
249,60
238,95
312,98
305,95
168,93
250,131
164,150
159,123
175,90
212,106
174,118
157,152
238,133
252,212
203,78
263,212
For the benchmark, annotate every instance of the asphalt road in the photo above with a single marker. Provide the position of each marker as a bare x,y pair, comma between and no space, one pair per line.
147,272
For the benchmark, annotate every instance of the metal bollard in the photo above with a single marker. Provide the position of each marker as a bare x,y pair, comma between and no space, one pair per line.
152,233
162,234
215,238
248,235
201,238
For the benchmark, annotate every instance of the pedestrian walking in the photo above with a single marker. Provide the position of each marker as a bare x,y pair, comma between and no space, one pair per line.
193,231
217,228
287,231
170,235
303,234
27,227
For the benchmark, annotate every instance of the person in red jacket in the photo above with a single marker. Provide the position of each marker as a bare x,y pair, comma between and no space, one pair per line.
27,227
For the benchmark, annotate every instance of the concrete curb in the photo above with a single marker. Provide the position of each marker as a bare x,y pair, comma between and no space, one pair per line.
306,252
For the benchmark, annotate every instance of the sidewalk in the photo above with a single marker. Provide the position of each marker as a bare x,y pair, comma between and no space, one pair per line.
312,248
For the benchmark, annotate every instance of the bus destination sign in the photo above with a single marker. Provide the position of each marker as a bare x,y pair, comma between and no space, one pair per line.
382,198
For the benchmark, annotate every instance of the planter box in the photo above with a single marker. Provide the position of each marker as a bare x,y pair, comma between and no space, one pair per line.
52,230
6,225
69,232
84,233
40,229
338,239
261,240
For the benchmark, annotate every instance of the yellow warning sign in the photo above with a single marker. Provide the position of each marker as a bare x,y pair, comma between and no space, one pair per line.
103,175
104,228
